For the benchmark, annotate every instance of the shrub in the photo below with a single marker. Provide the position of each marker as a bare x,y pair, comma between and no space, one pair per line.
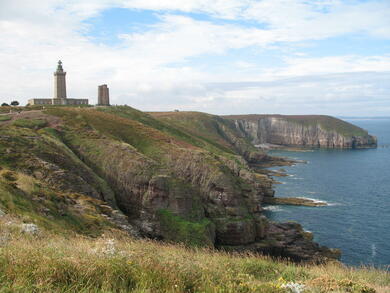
192,233
10,176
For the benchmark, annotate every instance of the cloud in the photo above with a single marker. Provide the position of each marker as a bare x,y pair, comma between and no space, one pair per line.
154,69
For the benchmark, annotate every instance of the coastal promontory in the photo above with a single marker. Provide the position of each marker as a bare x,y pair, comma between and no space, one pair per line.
316,131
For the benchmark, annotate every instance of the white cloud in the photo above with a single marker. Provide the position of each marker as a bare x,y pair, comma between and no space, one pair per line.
144,70
300,66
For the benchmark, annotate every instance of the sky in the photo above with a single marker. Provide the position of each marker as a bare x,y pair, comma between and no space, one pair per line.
218,56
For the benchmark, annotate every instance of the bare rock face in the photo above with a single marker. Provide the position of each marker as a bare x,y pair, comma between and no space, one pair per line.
303,131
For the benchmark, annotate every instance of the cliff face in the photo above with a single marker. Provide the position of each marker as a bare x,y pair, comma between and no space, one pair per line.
181,177
302,131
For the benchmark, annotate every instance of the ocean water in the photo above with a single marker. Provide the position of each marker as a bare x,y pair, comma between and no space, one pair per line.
355,184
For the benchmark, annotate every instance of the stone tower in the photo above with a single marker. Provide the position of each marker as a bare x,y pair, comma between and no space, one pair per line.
103,95
59,82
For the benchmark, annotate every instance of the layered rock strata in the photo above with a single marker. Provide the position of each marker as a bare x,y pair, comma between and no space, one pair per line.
302,131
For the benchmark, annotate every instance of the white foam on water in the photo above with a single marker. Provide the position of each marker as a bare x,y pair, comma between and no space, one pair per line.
314,200
373,250
279,183
273,208
335,204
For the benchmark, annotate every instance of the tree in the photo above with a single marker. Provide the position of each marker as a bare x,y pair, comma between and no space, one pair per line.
14,103
4,105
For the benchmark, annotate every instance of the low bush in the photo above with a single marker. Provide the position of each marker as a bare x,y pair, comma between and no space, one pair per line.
9,176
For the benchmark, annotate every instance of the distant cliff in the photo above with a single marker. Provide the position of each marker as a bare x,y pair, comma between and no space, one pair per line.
302,131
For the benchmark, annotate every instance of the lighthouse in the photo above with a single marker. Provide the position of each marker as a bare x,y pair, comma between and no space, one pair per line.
60,83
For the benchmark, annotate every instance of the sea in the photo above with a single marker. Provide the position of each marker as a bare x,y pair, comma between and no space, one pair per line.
356,186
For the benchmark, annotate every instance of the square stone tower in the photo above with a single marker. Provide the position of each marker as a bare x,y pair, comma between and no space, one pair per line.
59,83
103,95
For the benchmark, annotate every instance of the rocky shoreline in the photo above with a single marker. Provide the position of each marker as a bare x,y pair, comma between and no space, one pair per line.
289,240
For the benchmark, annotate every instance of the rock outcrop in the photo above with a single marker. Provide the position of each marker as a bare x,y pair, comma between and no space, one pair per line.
302,131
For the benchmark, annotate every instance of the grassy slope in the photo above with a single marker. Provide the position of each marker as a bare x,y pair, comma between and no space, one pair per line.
32,202
156,149
50,198
198,129
326,122
214,131
116,263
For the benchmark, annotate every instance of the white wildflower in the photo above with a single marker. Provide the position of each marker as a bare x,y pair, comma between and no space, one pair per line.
4,238
294,287
30,228
109,249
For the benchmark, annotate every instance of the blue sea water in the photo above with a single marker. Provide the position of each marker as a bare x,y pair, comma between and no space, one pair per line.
356,184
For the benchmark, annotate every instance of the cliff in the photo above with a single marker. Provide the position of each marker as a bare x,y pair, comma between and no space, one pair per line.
181,177
302,131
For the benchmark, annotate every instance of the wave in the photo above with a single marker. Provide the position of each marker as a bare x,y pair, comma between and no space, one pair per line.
314,200
276,182
373,250
273,208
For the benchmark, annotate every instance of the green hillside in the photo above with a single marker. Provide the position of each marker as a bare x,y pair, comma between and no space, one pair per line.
82,189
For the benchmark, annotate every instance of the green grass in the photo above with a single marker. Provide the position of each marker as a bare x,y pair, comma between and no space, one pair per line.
146,140
149,120
195,128
5,118
209,129
178,229
30,123
33,202
117,263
